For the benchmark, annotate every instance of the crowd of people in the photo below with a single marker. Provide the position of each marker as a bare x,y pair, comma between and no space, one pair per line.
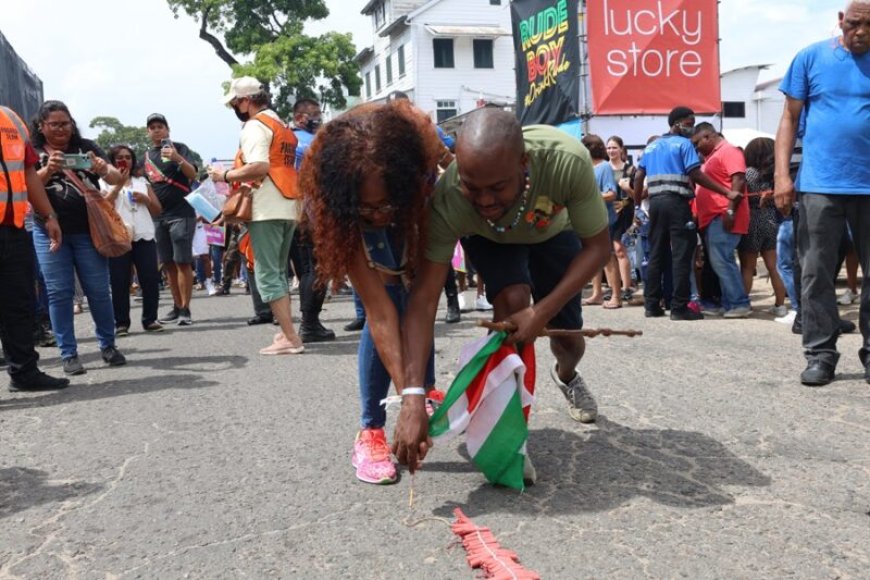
378,197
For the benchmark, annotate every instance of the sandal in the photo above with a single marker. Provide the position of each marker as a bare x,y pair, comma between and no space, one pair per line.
591,302
612,305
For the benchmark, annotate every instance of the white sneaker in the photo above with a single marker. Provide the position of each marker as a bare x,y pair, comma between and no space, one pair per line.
738,312
788,318
779,311
209,286
482,303
461,299
847,298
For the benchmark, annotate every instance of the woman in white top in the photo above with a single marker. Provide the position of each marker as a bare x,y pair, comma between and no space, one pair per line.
137,205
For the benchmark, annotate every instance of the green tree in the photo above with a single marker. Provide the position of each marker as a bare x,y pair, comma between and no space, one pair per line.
113,132
269,33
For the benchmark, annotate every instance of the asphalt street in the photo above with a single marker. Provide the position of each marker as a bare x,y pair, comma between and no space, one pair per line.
203,459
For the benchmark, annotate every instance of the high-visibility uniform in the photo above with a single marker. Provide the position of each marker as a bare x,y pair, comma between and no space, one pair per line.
282,156
13,185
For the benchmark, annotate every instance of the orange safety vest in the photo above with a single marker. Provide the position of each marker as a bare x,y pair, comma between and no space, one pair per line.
13,185
282,156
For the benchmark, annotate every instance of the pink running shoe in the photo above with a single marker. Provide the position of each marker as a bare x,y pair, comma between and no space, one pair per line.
371,458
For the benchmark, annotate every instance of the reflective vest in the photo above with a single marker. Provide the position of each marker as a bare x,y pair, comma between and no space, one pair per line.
282,156
13,139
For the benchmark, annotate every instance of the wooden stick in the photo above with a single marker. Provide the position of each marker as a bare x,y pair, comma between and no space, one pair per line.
587,332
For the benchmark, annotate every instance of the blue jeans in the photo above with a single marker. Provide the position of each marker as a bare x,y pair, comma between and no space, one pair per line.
374,380
784,257
721,246
76,255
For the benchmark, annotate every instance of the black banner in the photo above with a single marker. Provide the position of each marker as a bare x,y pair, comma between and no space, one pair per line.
547,47
20,89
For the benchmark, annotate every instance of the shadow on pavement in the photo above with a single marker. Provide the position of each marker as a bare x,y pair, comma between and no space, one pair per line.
613,465
111,388
199,364
22,488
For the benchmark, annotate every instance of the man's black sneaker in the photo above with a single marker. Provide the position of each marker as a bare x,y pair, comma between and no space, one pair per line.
73,366
37,381
113,357
686,314
259,320
316,333
797,326
453,314
817,373
184,317
153,327
355,325
171,316
122,331
657,313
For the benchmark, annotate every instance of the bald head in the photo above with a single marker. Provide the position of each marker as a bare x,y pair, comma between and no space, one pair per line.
491,130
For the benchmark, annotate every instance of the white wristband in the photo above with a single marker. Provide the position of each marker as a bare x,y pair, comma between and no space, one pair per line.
413,391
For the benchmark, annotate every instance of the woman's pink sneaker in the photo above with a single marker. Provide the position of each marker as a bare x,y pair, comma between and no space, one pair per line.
371,458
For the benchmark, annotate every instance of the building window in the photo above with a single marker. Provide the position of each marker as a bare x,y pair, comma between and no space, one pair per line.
444,110
734,109
482,53
377,78
368,85
400,56
389,69
495,2
443,48
380,15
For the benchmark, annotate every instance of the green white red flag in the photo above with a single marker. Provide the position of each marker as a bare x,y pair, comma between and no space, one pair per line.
489,401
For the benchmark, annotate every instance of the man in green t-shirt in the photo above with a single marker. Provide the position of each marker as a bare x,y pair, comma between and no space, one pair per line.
526,204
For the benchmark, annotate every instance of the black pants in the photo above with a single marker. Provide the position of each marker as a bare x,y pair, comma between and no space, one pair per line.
232,257
671,230
311,296
17,300
144,257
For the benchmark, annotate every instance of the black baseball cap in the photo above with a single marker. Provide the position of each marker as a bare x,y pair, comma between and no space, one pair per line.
155,118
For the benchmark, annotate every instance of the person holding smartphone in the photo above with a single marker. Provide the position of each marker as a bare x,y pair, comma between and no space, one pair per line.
55,136
170,173
137,205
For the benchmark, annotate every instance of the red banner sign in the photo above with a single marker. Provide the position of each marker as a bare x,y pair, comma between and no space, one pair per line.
648,56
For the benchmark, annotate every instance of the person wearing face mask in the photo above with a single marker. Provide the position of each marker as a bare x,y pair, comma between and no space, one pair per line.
670,165
306,122
266,163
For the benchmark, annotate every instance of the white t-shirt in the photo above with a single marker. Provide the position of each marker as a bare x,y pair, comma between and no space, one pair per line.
135,215
269,204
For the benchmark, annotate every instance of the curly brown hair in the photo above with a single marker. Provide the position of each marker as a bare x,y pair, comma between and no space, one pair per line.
395,140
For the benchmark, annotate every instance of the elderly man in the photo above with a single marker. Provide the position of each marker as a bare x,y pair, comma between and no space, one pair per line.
266,163
827,90
537,228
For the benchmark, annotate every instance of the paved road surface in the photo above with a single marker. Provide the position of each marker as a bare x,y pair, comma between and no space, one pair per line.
202,459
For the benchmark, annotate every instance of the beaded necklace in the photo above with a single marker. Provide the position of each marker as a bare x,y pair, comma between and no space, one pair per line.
522,209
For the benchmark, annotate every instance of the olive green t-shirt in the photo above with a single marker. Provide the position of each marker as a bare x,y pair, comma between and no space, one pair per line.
563,195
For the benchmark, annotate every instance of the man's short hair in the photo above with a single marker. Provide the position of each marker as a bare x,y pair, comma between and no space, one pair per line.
705,126
677,114
297,106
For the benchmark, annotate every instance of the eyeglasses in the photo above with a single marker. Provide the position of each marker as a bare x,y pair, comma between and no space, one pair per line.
367,211
55,125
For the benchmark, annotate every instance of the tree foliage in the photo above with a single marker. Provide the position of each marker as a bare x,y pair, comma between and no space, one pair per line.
270,36
113,132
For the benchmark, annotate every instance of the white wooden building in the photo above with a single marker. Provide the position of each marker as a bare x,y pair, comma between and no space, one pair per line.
449,56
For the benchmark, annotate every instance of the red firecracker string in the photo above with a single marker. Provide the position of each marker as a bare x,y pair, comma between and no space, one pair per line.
485,553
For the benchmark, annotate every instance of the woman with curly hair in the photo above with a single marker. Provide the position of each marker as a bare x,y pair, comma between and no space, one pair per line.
366,181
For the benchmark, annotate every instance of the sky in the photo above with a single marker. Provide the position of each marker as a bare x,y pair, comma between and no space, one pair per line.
129,58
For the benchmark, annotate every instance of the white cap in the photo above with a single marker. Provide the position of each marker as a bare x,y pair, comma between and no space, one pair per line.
243,87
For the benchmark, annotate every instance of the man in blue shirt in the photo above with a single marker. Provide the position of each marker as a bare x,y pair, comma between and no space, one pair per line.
827,90
306,122
670,165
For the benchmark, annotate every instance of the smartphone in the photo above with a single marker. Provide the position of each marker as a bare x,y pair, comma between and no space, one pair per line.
165,142
77,161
